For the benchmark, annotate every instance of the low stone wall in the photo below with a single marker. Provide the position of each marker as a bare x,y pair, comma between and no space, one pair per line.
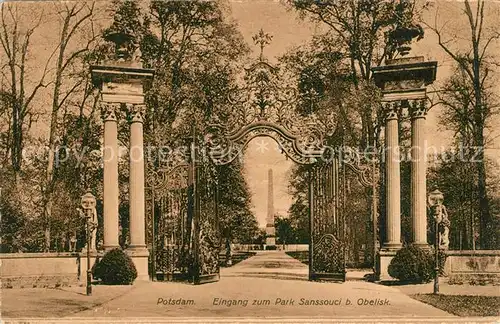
27,270
257,247
296,247
32,270
473,267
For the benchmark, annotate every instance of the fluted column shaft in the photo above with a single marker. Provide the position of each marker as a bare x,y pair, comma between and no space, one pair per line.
136,179
418,112
110,187
393,182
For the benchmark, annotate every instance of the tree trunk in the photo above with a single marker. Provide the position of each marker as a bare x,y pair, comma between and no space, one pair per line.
229,261
484,207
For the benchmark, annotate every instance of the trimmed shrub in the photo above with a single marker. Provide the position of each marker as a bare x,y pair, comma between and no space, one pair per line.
413,265
115,268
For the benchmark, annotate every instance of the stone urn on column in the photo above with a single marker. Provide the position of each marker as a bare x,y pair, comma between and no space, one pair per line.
122,81
404,82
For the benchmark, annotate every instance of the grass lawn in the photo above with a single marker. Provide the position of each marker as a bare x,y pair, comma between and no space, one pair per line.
463,305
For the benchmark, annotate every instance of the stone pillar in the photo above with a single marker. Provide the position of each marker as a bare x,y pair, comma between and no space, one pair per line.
136,179
137,249
393,181
110,157
418,111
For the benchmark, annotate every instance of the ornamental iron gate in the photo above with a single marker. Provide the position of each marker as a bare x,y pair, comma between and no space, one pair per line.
326,222
171,216
206,225
184,211
184,231
338,223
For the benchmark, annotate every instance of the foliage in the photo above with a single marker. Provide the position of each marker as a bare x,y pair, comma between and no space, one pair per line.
299,210
115,268
192,46
333,75
412,264
259,237
363,33
453,173
236,220
285,233
468,97
194,50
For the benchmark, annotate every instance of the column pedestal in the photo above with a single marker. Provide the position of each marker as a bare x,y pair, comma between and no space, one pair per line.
385,257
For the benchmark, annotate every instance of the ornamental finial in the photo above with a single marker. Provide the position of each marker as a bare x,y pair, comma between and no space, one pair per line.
262,39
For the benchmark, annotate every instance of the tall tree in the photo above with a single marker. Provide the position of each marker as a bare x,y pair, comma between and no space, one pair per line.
365,34
18,90
237,222
76,35
468,105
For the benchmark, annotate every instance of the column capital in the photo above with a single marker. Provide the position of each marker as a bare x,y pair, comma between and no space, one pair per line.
136,113
418,108
110,111
391,110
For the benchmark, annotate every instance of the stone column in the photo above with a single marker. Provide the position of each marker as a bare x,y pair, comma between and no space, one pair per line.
110,157
136,179
393,184
418,111
137,249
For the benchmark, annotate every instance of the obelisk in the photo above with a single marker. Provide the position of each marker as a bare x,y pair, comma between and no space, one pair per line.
270,232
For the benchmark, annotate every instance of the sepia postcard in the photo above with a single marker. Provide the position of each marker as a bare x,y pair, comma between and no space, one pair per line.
250,161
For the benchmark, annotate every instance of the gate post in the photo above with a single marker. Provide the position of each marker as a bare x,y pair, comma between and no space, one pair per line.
403,82
121,80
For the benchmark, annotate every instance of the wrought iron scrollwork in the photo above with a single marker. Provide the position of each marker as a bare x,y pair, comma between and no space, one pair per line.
266,106
327,256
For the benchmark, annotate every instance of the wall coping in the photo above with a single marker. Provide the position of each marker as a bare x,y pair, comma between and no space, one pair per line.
473,252
39,255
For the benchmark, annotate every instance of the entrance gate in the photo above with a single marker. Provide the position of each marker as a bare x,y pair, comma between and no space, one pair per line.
184,217
186,230
326,223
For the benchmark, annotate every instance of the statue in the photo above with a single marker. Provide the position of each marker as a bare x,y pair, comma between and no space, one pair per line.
441,217
72,242
93,223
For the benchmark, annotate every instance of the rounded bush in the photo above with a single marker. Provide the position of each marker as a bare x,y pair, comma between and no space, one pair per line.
412,264
115,268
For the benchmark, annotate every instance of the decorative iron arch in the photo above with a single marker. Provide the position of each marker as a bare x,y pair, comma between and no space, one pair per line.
299,148
266,106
